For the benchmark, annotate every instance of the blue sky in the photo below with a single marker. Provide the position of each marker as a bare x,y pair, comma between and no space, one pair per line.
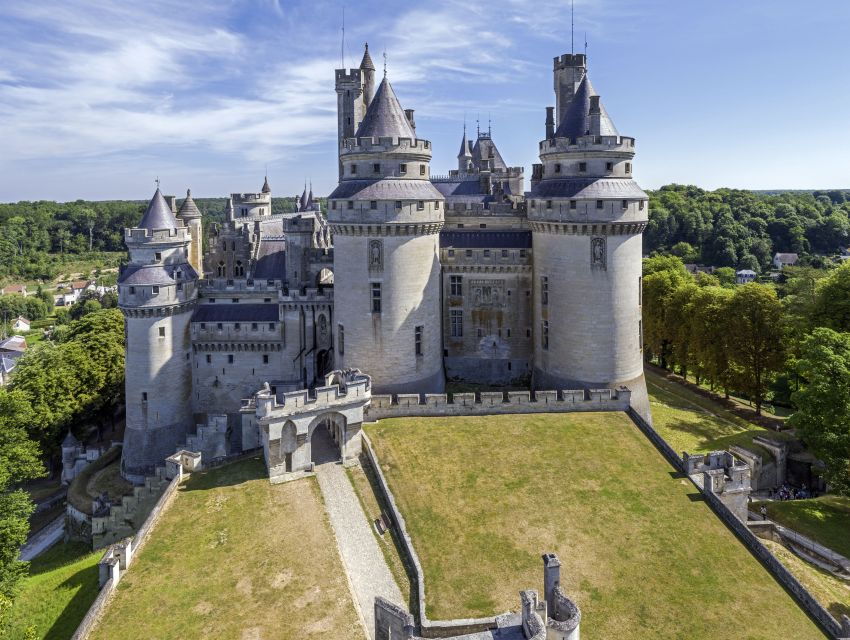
98,98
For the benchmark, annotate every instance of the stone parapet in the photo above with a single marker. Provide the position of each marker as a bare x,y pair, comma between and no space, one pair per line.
492,402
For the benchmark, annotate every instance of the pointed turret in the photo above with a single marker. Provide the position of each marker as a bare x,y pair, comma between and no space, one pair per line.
385,117
158,215
189,209
302,204
585,115
368,70
309,205
464,156
266,188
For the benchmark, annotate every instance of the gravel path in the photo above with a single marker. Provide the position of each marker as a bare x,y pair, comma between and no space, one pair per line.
363,560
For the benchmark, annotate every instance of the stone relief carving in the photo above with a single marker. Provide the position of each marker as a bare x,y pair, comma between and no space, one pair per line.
376,255
597,253
488,293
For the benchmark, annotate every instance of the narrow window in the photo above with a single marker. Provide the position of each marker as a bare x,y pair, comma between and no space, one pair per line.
600,204
469,253
219,326
398,204
421,169
544,290
376,297
341,339
158,255
534,204
420,205
641,204
154,290
640,335
209,359
221,269
351,204
373,204
417,340
162,332
233,246
522,253
625,204
402,168
544,337
573,204
203,326
436,204
229,358
456,322
237,326
376,168
548,204
558,168
451,253
480,332
254,326
144,396
333,204
486,253
628,167
132,291
609,166
180,286
582,166
271,326
528,333
504,253
353,169
640,290
265,359
456,285
509,333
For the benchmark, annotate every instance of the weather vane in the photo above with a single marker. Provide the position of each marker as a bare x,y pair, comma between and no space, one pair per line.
385,64
157,182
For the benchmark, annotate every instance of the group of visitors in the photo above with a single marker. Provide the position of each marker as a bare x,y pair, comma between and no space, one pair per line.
790,493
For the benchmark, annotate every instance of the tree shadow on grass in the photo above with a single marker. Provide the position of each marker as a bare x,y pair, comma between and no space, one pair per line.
227,475
713,436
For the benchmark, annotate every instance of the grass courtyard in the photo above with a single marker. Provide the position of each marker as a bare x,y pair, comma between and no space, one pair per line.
236,557
642,554
693,423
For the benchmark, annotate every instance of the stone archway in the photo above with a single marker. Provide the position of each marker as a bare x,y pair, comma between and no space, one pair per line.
326,435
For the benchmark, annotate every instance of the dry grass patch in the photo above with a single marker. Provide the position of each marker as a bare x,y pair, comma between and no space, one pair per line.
485,496
236,557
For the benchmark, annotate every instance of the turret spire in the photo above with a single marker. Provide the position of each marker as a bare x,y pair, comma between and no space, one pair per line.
158,215
266,187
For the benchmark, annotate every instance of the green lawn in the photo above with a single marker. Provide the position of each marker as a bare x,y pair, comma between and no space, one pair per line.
825,519
236,557
693,423
58,592
485,496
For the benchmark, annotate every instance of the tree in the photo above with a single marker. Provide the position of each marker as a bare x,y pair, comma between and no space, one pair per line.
19,462
85,307
755,339
831,307
822,417
662,276
726,276
710,328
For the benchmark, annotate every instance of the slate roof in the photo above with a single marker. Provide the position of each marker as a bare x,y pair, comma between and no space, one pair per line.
385,117
14,345
366,63
266,188
154,274
485,239
386,189
588,188
158,215
576,120
8,361
464,146
271,260
484,151
189,209
70,440
236,313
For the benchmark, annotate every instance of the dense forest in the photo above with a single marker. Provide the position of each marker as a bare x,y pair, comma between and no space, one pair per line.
743,229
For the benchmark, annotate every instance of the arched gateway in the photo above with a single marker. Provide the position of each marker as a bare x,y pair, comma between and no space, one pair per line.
299,430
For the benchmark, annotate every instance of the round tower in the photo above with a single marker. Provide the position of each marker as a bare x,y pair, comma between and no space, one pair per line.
191,217
157,292
587,217
386,216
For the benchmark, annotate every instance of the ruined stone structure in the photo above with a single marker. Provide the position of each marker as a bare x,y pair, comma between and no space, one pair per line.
723,475
409,277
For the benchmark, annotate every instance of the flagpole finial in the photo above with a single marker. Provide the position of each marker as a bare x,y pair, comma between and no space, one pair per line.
156,180
385,64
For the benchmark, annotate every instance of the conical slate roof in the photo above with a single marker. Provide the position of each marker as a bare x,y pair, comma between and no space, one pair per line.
70,440
158,215
385,117
189,209
266,187
310,198
366,63
576,120
464,146
303,202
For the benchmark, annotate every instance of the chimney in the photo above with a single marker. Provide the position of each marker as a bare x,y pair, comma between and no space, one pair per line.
550,122
172,202
409,114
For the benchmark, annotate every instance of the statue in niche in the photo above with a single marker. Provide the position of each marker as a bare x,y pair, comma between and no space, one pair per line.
376,255
323,327
597,253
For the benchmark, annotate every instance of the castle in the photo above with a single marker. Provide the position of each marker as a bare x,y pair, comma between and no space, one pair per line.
410,277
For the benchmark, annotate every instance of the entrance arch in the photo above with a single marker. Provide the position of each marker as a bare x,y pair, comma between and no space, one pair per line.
326,435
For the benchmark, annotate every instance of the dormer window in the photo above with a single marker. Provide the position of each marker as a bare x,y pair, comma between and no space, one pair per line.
398,204
373,204
600,204
154,290
402,168
353,169
582,167
420,206
573,204
376,168
157,256
609,166
625,204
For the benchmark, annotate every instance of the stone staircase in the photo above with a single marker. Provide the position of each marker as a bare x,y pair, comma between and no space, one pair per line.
125,519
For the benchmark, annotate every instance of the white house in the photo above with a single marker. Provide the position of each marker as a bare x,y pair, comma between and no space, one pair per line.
21,324
781,260
745,275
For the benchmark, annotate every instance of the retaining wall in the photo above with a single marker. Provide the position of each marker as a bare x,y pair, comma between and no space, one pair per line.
497,402
805,599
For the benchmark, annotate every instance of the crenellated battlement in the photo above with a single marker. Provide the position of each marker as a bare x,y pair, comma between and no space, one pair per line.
141,236
351,77
587,143
384,144
568,60
268,404
251,198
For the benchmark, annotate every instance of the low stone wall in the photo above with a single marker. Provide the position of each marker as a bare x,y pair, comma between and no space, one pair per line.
120,555
428,628
493,402
805,599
